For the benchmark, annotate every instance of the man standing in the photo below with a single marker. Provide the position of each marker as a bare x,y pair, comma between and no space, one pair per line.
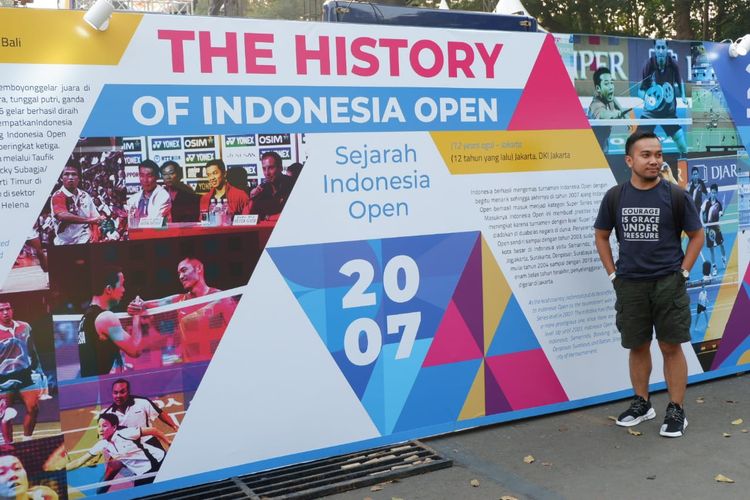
19,366
73,209
269,198
697,188
152,200
236,200
650,276
201,325
712,211
101,337
604,105
183,198
659,89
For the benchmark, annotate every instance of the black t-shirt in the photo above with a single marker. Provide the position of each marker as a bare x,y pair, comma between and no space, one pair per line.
649,245
97,356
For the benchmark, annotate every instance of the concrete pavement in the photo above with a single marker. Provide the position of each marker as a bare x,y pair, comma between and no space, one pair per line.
582,454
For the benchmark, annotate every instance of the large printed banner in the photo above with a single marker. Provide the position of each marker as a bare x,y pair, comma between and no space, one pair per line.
231,245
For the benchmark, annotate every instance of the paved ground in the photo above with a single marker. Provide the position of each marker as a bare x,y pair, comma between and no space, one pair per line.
583,455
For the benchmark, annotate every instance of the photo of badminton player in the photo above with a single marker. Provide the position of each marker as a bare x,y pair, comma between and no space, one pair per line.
14,482
134,412
604,105
101,337
125,445
660,87
21,374
712,211
201,325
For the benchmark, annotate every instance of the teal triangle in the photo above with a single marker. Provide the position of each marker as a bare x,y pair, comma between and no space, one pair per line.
374,397
513,334
313,302
400,375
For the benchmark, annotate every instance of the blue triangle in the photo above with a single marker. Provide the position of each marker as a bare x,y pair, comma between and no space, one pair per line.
357,376
513,334
400,375
373,398
438,395
313,303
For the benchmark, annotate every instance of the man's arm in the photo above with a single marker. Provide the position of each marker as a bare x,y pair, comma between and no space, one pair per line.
107,325
601,240
153,431
167,419
81,461
695,243
60,212
163,204
138,305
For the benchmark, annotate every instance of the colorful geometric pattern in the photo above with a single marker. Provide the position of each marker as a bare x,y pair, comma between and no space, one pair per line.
548,129
735,343
474,353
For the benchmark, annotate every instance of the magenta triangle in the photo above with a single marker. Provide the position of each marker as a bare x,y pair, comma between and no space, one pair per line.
453,340
468,294
549,100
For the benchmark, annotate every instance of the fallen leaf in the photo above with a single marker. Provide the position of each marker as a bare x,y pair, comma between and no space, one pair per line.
546,464
474,483
528,459
634,433
614,419
726,434
721,478
652,477
700,401
737,422
730,401
507,497
744,431
377,487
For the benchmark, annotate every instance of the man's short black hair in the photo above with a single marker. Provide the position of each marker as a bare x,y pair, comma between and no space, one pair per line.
121,381
714,187
694,169
276,158
217,162
151,165
75,165
177,169
111,418
603,70
108,276
635,137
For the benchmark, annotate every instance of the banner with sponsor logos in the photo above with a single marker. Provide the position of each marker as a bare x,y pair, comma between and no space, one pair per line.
230,245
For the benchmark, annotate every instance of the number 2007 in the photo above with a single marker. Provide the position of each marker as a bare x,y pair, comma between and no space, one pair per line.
358,296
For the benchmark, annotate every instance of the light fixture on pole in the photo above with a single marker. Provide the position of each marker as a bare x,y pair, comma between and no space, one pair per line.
99,14
740,47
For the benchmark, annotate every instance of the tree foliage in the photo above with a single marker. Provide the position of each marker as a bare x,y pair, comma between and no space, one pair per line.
681,19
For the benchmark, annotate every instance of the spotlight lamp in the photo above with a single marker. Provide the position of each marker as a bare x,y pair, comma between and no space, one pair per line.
99,14
740,47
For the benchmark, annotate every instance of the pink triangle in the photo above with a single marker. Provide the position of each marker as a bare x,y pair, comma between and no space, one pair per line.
453,340
549,100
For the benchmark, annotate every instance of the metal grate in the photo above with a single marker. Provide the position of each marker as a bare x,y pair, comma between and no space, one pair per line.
322,477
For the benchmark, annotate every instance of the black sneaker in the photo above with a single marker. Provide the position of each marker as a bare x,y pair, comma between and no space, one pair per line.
674,421
639,410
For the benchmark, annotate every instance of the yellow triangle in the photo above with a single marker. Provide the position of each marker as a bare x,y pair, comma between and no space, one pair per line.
474,404
744,359
724,300
496,294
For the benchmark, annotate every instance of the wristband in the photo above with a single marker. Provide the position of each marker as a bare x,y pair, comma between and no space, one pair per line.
613,276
